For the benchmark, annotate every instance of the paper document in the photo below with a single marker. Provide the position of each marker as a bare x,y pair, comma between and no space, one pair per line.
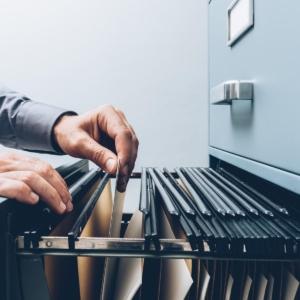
247,287
269,289
130,270
204,281
114,231
229,287
289,286
260,288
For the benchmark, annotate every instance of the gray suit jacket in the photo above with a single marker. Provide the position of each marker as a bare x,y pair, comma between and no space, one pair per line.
27,125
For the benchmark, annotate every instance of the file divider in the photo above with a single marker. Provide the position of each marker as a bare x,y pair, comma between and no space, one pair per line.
168,203
200,204
153,216
253,191
144,197
80,223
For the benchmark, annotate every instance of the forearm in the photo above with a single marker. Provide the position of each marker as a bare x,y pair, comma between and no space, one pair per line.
25,124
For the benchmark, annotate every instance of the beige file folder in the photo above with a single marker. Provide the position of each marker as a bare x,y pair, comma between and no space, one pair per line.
110,266
62,271
90,269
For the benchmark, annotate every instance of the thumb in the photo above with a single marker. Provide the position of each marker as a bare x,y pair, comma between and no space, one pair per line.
100,155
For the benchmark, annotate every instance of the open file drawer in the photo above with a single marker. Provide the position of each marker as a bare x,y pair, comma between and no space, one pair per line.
262,130
222,201
30,262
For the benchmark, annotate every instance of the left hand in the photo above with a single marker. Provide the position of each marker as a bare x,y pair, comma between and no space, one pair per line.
28,180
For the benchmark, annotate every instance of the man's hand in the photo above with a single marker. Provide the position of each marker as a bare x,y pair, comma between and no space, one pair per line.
99,135
29,180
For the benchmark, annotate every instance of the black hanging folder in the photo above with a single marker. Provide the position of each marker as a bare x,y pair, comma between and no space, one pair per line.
221,215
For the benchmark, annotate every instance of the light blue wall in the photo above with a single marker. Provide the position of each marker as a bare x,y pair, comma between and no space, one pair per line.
148,58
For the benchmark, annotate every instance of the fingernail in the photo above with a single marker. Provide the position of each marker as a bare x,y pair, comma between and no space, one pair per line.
125,170
62,206
110,165
69,206
34,197
70,198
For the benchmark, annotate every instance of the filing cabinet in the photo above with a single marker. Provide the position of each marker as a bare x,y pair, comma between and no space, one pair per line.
263,130
252,132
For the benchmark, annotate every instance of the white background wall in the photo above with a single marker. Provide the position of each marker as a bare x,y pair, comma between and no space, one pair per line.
148,58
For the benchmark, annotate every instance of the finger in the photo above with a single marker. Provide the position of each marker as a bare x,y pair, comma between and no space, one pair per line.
6,161
40,187
113,125
101,156
47,172
41,167
18,190
122,182
135,141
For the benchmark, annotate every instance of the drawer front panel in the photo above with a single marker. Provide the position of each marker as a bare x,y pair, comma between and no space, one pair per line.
265,129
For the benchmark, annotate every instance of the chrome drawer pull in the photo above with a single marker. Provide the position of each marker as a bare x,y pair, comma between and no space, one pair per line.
227,91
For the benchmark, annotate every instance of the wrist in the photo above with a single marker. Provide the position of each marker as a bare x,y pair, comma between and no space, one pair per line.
57,130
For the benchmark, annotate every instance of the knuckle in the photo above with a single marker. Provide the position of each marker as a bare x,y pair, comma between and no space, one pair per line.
50,194
135,141
120,112
65,195
28,176
53,195
21,188
127,134
35,160
107,107
7,155
45,169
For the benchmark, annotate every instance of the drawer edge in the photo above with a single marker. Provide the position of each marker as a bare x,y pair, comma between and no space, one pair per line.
282,178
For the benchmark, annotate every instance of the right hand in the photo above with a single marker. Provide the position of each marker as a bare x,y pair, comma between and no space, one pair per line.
100,135
29,180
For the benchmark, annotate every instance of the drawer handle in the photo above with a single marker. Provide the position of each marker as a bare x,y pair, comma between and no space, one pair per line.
227,91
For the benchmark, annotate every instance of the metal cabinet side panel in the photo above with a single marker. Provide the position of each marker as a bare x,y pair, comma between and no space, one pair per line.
265,130
9,283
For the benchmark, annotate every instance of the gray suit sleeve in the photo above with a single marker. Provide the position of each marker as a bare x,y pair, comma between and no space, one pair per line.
27,125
